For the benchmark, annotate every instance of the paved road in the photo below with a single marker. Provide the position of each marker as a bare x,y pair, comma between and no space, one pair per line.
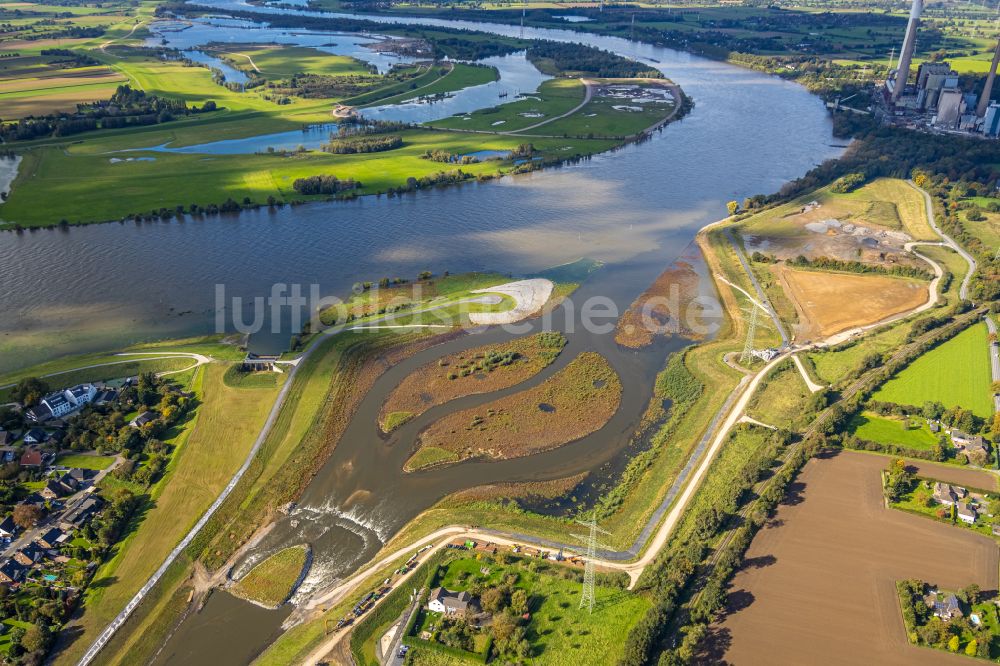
994,359
963,291
53,519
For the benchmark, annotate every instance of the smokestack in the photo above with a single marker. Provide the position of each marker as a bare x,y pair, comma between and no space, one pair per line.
903,68
984,101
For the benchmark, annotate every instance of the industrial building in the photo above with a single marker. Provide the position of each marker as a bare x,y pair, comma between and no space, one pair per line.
934,100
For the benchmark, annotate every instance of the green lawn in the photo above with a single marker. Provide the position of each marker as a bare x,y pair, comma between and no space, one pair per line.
560,632
890,431
833,365
954,373
85,462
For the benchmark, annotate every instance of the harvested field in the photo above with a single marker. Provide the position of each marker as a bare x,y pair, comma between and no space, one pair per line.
818,585
665,308
479,370
571,404
32,103
829,303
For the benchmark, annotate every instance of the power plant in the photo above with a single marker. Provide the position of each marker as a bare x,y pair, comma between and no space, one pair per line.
935,101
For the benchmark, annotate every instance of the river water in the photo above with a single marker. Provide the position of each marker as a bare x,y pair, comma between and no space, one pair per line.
635,209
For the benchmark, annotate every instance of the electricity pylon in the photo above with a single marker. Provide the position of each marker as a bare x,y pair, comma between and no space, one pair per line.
587,594
752,324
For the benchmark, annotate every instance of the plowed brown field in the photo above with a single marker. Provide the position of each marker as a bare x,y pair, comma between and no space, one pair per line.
819,583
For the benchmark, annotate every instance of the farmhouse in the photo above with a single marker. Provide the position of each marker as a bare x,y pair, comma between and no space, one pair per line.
966,513
945,606
450,603
947,494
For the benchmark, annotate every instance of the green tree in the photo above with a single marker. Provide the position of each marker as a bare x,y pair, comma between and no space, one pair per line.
972,648
29,391
954,643
733,207
36,638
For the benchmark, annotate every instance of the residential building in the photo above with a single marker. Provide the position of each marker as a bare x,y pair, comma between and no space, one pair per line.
82,512
53,538
54,489
945,606
32,458
450,603
8,454
11,572
8,528
29,555
63,402
966,513
35,436
947,494
143,419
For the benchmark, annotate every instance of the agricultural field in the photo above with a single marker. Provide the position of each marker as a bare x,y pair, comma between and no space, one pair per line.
828,302
957,372
834,364
478,370
833,521
272,581
909,433
578,400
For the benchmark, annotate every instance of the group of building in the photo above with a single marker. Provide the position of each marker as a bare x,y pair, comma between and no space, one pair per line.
935,98
45,548
66,401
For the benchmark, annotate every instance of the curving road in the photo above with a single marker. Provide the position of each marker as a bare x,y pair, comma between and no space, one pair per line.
963,291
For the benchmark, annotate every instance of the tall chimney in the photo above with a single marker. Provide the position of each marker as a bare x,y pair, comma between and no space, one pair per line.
903,68
984,101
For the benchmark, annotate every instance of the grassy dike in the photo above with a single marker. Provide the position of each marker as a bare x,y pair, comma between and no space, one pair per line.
197,472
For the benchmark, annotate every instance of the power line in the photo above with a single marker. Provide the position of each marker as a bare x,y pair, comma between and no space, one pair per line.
587,593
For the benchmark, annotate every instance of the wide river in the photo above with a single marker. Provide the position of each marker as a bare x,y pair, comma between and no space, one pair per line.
636,210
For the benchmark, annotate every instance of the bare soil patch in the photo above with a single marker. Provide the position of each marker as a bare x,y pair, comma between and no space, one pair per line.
479,370
818,585
829,303
576,401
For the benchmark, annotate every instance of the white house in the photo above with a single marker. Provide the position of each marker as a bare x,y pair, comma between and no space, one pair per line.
449,603
63,402
966,513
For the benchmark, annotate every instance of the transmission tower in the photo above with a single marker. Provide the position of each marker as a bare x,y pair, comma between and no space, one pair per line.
587,594
753,321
